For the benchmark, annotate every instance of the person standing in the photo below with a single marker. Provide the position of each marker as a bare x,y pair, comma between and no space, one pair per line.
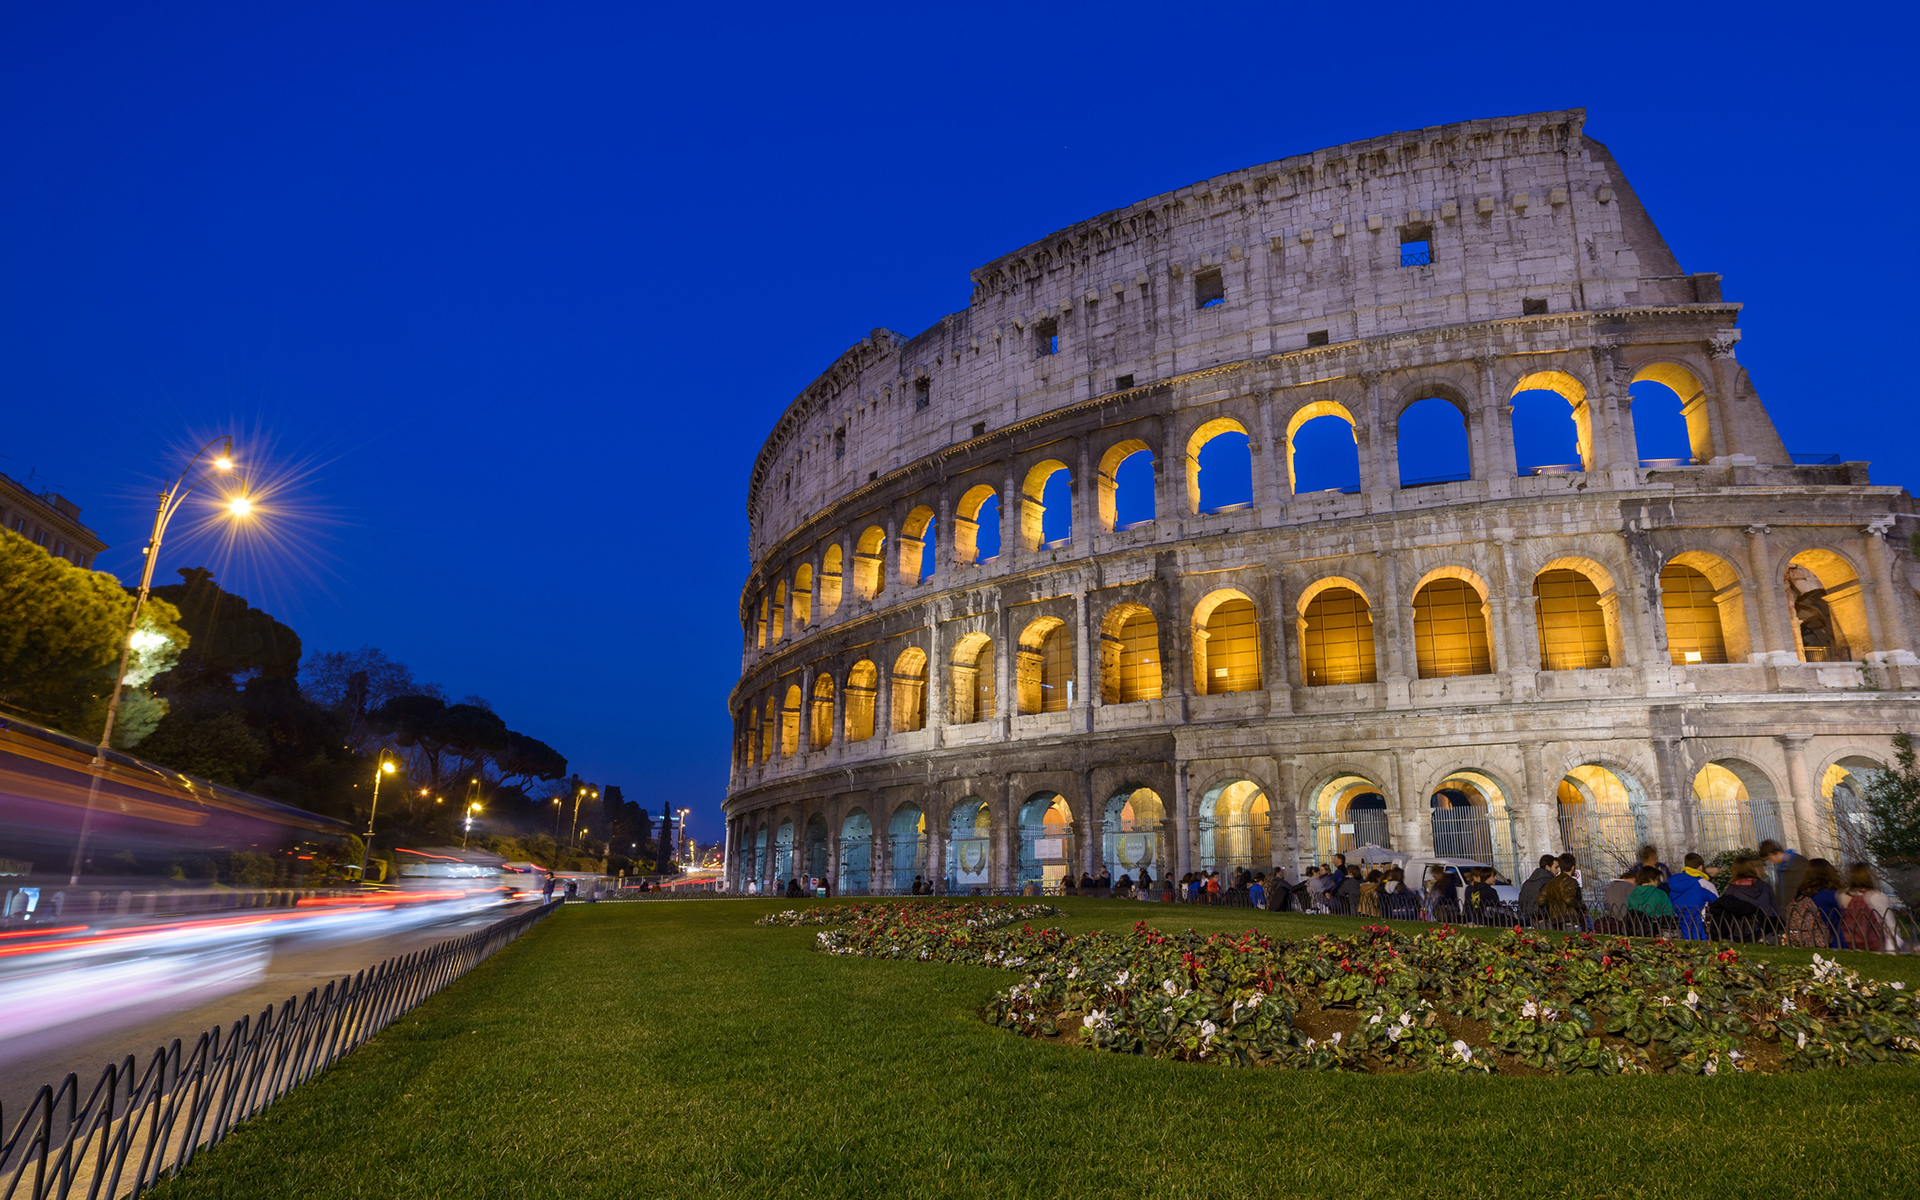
1530,890
1867,919
1789,869
1691,891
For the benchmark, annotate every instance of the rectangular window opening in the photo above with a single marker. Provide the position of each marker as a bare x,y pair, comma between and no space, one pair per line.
922,394
1416,246
1047,337
1209,289
1317,338
840,442
1533,308
1123,383
979,429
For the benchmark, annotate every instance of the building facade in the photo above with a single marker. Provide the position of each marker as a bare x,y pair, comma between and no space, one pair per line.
1698,651
48,520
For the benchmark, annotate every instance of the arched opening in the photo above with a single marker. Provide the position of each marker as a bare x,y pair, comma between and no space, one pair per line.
1450,629
1236,828
1552,425
762,869
863,684
802,595
1323,450
1473,819
916,546
1670,423
907,846
910,690
1691,610
790,722
779,611
1226,644
1829,609
1133,834
769,726
870,563
830,579
969,843
1735,807
1572,626
1043,671
1336,636
1603,820
856,854
976,525
783,865
971,685
1843,790
760,624
1046,505
814,852
820,727
1129,655
1433,443
1046,840
1219,467
1349,811
1125,485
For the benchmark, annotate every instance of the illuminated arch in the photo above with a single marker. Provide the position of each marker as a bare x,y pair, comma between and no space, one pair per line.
1198,442
820,722
1450,624
1235,827
790,722
970,693
1319,408
969,845
1828,608
1577,616
1047,840
1604,817
802,595
869,563
1226,643
1347,811
856,853
1043,670
1702,608
830,579
916,546
863,682
910,690
1735,805
1574,392
779,611
1692,395
966,522
1106,483
1033,506
1130,666
1335,631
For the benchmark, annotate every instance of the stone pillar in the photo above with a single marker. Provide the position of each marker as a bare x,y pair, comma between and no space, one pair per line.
1615,412
1081,707
1801,806
1270,477
805,738
1005,846
1092,820
1416,827
1283,818
1675,793
1776,642
1012,519
936,679
1380,472
1277,672
1182,822
839,744
1891,641
1179,636
1543,825
1005,650
936,840
1496,424
833,844
1086,502
882,702
1167,480
1396,629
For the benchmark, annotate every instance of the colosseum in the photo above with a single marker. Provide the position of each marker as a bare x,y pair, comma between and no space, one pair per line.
1142,560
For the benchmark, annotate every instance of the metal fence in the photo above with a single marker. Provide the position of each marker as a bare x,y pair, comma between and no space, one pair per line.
136,1127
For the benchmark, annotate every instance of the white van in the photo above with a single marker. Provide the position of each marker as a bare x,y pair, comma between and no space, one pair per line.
1418,869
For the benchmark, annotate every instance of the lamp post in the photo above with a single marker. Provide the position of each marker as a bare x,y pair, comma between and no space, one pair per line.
238,505
471,809
385,767
683,831
572,829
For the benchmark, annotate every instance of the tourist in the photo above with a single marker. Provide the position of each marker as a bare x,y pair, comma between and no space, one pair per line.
1443,902
1691,892
1814,917
1257,892
1339,870
1104,881
1648,900
1146,884
1867,920
1789,868
1560,896
1345,896
1086,881
1530,890
1369,900
1482,901
1747,910
1280,893
1619,890
1650,857
1213,887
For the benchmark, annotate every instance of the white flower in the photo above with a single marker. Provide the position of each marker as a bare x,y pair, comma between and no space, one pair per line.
1396,1032
1094,1019
1334,1040
1311,1043
1712,1067
1374,1019
1800,1043
1122,980
1254,1000
1529,1010
1168,984
1208,1029
1693,1000
1463,1051
1898,986
1787,1005
1406,1018
1073,973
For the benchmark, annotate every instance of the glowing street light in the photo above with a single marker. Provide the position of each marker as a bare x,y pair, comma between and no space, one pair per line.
471,809
170,500
385,767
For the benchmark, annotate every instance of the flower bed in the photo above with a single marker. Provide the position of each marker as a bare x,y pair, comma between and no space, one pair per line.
1384,1000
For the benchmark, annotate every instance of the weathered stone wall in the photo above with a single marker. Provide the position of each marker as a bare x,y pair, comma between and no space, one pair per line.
1516,210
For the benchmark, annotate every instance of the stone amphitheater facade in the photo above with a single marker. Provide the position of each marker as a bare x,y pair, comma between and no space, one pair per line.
1697,652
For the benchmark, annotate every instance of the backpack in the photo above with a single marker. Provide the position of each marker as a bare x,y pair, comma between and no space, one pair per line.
1861,925
1806,925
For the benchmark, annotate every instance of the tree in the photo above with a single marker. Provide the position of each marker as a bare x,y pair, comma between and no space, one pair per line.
356,682
1892,801
217,747
528,759
664,863
60,637
232,641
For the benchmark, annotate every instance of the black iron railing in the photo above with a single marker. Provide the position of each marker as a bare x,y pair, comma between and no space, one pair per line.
136,1127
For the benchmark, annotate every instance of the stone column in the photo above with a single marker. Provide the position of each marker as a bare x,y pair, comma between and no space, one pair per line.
1277,672
1006,846
1179,636
936,679
1891,642
1674,798
1081,706
1496,425
1270,473
1380,476
805,738
833,843
1091,824
839,746
1282,818
1397,628
1168,479
1415,826
936,840
882,702
1182,822
1012,519
1086,502
1801,806
1543,826
1616,413
1005,649
1776,640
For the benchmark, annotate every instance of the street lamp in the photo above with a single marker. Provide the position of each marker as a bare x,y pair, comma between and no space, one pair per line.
471,809
238,506
386,767
578,797
683,830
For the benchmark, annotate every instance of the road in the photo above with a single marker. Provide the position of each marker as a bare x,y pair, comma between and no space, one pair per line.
268,971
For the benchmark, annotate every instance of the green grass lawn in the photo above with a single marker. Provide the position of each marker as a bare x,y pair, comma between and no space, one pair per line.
676,1049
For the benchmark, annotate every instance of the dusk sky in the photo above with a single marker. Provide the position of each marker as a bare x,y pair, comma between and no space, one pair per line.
506,296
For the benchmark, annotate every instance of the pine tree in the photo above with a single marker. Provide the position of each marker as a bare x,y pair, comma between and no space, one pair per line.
665,864
1892,799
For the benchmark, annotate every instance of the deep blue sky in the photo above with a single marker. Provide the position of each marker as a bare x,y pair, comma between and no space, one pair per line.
516,290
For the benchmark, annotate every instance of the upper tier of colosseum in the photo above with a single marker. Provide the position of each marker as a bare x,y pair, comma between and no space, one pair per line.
1521,215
